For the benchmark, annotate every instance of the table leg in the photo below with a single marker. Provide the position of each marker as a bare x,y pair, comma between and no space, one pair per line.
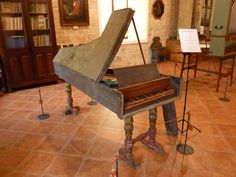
182,67
219,75
195,68
232,72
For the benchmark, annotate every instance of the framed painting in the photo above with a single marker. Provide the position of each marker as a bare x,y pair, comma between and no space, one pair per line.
74,12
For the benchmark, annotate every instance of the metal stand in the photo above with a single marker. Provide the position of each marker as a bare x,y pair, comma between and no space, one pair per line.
92,102
185,148
114,172
117,170
43,115
225,99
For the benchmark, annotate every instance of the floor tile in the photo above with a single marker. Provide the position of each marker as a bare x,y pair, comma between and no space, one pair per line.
7,123
36,162
23,125
9,138
31,106
52,144
93,120
208,129
21,115
18,104
152,171
232,142
44,128
11,157
111,135
220,161
126,171
65,130
75,119
25,175
55,117
96,168
78,147
211,143
5,113
223,119
64,166
30,141
5,172
228,173
228,130
86,132
188,172
98,150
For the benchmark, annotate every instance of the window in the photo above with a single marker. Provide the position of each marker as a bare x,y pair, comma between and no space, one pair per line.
141,8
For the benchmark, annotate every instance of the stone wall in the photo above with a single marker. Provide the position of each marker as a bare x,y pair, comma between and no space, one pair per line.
185,14
129,54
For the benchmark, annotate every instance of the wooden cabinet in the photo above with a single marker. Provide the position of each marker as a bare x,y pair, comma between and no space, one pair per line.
174,50
27,42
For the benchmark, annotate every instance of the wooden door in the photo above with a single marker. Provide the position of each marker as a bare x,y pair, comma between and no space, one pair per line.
220,26
221,17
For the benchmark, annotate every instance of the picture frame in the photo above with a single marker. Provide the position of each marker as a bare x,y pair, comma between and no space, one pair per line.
158,9
74,12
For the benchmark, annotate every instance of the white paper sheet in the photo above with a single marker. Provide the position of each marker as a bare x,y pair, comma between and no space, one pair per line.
189,41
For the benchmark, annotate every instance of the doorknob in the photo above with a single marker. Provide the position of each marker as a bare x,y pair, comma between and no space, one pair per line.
219,27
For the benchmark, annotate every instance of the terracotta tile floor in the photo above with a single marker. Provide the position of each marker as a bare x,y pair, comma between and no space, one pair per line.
84,145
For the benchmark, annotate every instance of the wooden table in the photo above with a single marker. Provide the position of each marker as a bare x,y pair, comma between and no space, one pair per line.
228,56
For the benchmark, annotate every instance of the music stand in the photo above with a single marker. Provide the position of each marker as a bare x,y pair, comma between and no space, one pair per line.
185,148
189,45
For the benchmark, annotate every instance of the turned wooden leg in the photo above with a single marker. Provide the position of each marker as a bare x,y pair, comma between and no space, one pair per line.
70,109
128,137
152,122
126,153
151,141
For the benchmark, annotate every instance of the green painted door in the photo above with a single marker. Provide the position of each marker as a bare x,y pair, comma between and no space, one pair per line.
220,26
221,17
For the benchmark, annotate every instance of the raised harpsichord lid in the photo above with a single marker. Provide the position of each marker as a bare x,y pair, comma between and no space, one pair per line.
93,59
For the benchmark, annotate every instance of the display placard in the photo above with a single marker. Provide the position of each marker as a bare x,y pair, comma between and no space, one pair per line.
189,41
